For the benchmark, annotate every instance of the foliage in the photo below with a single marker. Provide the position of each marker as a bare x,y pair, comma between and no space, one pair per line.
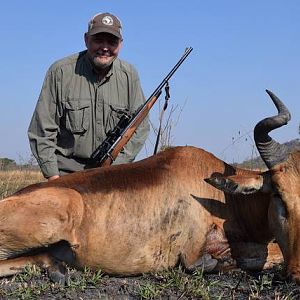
7,164
168,122
85,279
149,291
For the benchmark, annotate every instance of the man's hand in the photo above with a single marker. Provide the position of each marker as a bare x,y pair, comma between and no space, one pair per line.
53,177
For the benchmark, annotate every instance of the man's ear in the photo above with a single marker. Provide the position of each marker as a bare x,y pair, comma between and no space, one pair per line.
239,184
86,37
120,44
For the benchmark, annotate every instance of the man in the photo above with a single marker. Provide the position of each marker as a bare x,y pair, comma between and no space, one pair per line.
82,99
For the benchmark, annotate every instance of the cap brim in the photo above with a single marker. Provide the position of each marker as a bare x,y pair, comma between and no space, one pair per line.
100,29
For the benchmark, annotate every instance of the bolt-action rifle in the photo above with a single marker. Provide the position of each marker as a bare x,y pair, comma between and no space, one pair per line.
117,138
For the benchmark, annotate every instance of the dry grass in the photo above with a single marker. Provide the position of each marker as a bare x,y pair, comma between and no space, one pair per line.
12,181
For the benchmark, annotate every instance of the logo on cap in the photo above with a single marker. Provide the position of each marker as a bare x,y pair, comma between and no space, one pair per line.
107,20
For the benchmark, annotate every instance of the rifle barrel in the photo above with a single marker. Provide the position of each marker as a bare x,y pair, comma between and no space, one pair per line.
165,80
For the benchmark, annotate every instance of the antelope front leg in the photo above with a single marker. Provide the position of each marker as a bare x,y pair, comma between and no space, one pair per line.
56,269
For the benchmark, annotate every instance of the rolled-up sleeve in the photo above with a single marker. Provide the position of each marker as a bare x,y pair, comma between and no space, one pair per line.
43,128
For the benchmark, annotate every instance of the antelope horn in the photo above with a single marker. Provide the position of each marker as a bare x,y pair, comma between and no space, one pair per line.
271,151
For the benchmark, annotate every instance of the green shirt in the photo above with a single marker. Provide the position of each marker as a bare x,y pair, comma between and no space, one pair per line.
75,112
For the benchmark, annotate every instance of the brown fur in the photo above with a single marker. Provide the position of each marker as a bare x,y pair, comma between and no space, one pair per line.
281,184
286,188
140,217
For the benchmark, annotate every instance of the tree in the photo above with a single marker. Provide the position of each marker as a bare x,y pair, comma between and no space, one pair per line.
6,163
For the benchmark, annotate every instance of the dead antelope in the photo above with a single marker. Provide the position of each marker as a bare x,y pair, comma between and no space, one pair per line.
154,214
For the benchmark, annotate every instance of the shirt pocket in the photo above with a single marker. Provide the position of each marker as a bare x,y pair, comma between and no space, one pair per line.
114,115
78,115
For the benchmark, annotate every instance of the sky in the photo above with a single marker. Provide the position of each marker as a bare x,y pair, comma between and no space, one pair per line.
240,48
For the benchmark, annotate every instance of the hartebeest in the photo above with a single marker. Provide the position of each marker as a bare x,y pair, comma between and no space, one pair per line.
282,180
145,216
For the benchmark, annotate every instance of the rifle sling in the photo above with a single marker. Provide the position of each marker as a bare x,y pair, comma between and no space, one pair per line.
167,97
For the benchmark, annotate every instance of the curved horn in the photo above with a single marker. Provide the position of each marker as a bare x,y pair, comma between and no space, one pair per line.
271,151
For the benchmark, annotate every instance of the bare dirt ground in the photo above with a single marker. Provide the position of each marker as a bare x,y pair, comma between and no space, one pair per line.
171,284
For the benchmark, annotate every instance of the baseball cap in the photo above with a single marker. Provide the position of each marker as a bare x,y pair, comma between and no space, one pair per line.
105,22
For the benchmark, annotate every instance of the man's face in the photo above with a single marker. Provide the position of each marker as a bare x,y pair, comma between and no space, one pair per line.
102,48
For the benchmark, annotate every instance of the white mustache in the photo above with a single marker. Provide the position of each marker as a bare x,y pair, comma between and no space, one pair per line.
104,53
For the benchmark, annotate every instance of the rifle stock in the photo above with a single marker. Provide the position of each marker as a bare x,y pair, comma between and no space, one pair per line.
106,153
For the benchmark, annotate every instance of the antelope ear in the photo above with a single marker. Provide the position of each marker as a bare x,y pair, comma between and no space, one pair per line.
238,184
